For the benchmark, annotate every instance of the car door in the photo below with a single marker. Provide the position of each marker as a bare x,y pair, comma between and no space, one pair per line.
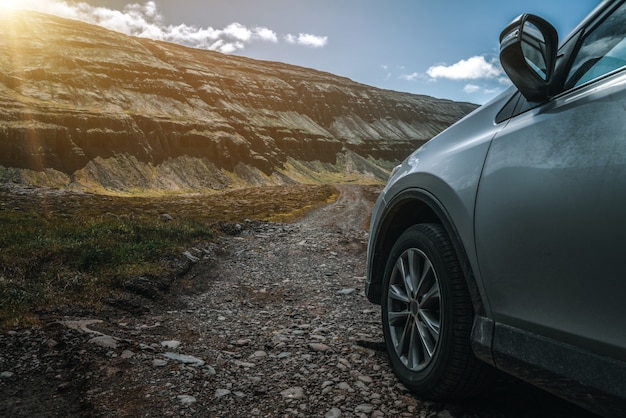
550,217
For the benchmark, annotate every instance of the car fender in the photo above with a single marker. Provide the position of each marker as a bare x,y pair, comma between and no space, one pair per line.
409,207
437,183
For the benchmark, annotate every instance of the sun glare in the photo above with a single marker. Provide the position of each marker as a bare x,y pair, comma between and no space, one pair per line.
22,4
9,4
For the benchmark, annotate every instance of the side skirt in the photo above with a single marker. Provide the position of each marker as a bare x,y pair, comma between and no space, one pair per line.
593,382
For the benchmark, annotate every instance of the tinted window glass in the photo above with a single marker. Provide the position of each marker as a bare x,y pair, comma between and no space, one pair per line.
508,109
602,51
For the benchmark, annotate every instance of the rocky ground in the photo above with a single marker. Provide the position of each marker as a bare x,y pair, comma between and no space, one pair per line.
270,322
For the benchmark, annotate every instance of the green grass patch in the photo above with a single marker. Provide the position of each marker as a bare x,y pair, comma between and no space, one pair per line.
73,250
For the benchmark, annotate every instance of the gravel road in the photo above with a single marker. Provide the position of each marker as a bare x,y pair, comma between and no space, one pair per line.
270,322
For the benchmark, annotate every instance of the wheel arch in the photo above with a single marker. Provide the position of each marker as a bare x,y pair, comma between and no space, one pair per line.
415,206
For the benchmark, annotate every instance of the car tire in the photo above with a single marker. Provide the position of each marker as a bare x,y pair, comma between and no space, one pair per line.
427,317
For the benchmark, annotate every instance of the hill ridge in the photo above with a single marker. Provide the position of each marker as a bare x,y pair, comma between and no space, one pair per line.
81,104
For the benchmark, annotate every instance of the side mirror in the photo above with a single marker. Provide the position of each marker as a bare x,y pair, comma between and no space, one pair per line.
528,48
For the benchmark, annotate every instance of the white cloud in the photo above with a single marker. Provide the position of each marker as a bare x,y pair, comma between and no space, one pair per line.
238,31
470,69
229,47
266,34
307,39
411,77
145,20
471,88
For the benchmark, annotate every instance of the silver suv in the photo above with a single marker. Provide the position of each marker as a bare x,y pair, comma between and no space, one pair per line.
502,241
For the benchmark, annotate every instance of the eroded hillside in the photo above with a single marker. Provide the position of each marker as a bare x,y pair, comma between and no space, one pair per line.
85,107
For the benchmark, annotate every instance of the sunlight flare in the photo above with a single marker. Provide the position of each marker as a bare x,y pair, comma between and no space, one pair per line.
9,4
23,4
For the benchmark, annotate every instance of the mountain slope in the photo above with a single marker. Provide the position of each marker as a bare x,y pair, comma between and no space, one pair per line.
83,105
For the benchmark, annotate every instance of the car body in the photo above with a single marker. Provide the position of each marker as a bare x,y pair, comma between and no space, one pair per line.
501,241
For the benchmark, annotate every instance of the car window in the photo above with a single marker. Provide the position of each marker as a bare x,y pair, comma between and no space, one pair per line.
602,50
509,108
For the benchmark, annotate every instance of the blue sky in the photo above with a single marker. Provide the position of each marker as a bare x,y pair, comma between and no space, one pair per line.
441,48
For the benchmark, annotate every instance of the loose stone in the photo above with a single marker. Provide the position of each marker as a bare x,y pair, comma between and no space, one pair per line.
183,358
364,408
172,344
191,257
319,347
186,399
333,413
293,393
126,354
220,393
365,379
104,341
258,354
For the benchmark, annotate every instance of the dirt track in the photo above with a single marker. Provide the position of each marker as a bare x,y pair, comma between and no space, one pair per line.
272,322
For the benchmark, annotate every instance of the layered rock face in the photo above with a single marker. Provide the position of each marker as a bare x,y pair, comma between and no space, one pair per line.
86,102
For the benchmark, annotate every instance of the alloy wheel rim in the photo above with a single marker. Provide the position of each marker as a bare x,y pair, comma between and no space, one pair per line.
414,309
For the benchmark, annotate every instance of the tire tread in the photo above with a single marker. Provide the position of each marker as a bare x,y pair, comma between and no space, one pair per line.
463,374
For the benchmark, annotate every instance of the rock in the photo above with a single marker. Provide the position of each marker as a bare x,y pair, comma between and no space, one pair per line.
186,399
347,291
159,363
82,325
333,413
183,358
106,341
244,364
258,355
6,375
126,354
220,393
345,386
172,344
191,257
146,347
295,392
319,347
364,379
364,409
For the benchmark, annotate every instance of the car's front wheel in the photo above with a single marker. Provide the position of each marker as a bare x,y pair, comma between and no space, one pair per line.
427,316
